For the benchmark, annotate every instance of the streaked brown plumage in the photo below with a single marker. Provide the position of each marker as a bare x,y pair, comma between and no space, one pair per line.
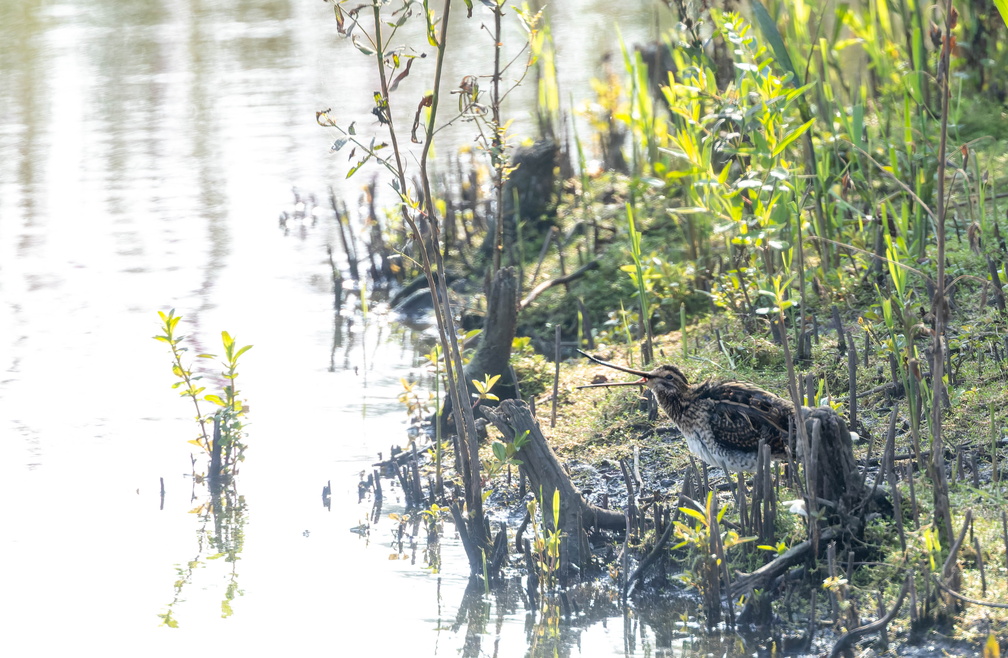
723,422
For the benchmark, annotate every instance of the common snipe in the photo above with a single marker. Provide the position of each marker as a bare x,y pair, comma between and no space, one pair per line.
723,422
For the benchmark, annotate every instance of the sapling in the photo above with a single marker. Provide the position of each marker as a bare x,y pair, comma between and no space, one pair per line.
225,445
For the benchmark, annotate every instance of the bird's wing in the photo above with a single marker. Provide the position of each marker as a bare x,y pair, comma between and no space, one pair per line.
743,414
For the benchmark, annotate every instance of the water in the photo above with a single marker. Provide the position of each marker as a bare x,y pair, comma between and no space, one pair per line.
147,150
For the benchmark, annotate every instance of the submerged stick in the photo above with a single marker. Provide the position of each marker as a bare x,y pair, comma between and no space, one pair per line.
850,637
965,599
650,559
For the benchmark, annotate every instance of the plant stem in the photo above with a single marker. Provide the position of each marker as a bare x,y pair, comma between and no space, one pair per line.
942,513
497,146
438,286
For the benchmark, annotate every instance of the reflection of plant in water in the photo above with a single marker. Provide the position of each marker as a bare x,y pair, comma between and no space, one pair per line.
221,533
226,446
221,536
546,560
416,406
474,614
432,519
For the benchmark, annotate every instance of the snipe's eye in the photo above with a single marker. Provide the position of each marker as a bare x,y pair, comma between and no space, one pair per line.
670,376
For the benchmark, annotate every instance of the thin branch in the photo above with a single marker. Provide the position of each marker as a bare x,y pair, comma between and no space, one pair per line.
906,188
965,599
844,642
560,280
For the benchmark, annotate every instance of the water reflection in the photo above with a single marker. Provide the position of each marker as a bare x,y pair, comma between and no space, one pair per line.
220,538
148,150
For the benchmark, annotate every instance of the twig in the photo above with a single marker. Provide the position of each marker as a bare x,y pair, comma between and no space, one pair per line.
950,561
939,305
542,252
853,635
852,364
546,285
632,512
758,579
956,595
556,378
649,559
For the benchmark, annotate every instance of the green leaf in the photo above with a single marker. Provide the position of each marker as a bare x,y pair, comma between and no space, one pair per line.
796,93
431,24
242,351
353,170
696,514
773,36
499,451
791,137
685,211
215,399
991,647
769,29
1002,6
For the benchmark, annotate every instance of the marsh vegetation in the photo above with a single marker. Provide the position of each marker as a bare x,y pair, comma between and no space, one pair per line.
804,197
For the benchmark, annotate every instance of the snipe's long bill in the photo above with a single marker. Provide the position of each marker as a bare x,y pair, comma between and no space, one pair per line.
637,382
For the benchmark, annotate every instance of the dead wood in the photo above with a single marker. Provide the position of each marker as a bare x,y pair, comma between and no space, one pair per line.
761,578
943,586
836,477
838,489
559,281
546,475
845,641
532,184
656,552
493,352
